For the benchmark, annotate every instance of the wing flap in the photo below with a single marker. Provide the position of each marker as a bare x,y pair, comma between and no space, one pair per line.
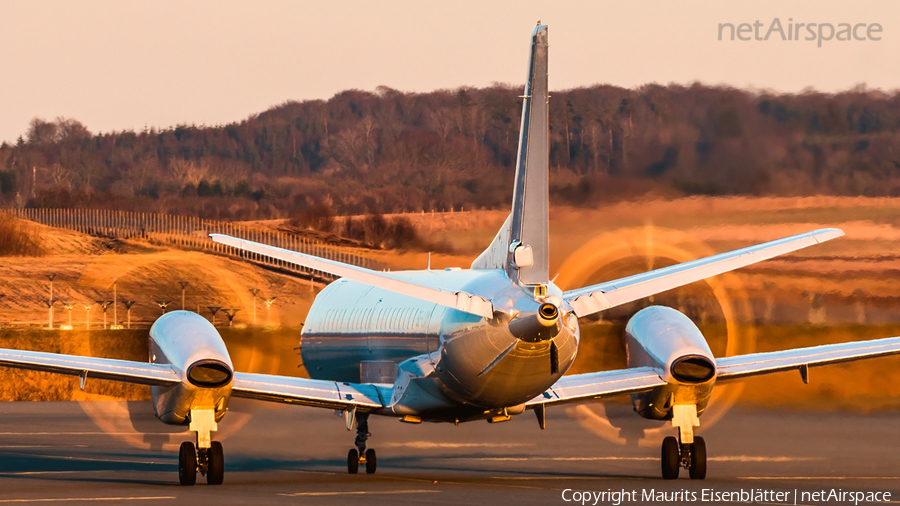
754,364
603,296
462,301
306,392
594,385
142,373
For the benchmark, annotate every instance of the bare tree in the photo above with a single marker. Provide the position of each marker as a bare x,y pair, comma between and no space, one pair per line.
41,132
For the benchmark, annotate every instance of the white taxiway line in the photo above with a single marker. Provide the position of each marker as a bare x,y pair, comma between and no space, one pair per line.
81,433
90,499
360,492
823,478
554,459
727,458
27,473
430,445
2,447
163,461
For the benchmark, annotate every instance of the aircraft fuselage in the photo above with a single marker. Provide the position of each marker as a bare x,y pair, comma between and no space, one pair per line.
467,366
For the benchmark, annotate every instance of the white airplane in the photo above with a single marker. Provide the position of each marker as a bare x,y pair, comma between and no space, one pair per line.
458,345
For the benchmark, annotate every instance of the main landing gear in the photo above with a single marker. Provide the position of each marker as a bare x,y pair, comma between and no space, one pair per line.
360,455
209,457
687,451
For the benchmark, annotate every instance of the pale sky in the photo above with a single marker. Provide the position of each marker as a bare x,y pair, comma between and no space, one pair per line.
117,65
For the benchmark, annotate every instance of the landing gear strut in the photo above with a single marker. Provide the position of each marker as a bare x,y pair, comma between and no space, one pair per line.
209,457
687,451
360,455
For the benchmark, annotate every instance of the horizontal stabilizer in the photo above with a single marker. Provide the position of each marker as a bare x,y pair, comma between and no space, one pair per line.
462,301
755,364
142,373
593,299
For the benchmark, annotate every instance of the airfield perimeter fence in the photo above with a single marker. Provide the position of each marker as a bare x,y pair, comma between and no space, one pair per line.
192,233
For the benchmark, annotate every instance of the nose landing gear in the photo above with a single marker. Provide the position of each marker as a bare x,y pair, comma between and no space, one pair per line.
209,457
361,455
687,451
689,456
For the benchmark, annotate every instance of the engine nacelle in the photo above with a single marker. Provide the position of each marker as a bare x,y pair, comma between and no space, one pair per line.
196,351
665,339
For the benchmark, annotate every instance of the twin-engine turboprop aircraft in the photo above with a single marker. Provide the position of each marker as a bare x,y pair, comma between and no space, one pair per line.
485,343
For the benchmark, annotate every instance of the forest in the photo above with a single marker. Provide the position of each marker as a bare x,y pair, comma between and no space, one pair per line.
388,151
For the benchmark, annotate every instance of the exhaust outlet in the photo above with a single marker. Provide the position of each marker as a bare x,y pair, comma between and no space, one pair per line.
548,315
541,325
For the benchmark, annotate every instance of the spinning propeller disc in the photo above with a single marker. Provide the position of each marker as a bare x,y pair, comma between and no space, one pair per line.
641,249
134,423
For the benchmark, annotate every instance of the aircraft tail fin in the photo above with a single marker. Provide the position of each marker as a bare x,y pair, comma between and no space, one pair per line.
521,247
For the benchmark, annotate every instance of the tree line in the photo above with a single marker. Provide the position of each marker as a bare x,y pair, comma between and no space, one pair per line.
387,151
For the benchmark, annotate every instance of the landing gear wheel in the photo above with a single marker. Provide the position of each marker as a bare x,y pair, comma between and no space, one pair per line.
671,458
353,462
215,473
187,464
698,459
370,461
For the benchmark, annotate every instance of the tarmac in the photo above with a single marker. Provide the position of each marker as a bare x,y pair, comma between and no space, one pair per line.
118,453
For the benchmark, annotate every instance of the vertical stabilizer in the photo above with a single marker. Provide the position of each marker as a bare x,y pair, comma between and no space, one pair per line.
522,245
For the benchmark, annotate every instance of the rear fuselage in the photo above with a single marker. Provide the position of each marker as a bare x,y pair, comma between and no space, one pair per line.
356,332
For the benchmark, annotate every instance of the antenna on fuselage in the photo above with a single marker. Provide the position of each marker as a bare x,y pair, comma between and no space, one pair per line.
428,267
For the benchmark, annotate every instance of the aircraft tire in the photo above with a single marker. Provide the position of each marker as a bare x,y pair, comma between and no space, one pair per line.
353,461
187,464
698,459
215,475
370,461
671,458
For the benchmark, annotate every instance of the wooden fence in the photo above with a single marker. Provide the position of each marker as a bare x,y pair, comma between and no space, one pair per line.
188,232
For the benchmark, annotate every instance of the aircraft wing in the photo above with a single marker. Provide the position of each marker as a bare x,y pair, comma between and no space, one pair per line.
591,386
755,364
594,385
306,392
593,299
462,301
143,373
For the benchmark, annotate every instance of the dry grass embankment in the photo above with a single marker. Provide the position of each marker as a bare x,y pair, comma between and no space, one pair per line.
19,238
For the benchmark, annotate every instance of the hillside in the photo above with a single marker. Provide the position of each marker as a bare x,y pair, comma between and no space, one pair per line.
388,151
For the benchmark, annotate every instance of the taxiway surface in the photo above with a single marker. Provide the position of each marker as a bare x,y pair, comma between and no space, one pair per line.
69,452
